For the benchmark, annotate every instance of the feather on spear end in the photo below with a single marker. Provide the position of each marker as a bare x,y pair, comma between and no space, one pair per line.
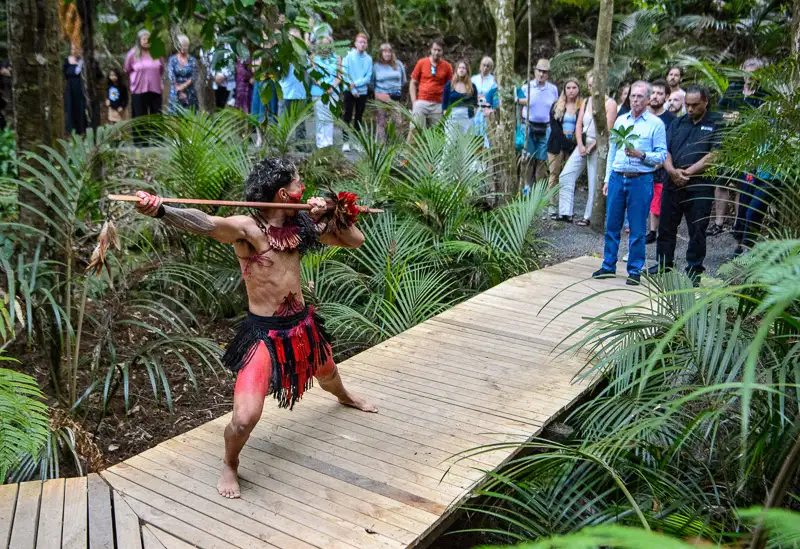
108,238
343,211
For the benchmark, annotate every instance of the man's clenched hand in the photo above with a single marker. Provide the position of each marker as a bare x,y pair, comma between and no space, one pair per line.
318,206
148,203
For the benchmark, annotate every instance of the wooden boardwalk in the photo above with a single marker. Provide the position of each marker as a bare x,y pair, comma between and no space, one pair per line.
324,476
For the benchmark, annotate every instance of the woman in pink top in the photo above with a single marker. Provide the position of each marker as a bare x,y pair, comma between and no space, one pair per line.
145,76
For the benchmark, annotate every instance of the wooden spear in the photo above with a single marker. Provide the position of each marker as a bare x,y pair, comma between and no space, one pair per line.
236,203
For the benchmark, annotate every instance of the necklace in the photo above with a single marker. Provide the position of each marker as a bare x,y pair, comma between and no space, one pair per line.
280,238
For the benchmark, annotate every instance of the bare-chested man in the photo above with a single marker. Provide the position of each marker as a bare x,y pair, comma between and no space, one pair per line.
280,345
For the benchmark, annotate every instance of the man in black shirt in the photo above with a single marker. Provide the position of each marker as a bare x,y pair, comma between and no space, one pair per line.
690,142
657,106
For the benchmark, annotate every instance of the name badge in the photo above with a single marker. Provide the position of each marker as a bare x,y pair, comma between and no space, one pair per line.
707,128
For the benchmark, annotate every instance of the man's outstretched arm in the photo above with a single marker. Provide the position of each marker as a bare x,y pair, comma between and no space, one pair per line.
224,229
351,237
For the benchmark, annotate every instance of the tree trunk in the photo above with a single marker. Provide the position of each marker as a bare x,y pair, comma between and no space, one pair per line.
505,118
369,16
556,36
37,82
796,27
92,74
599,92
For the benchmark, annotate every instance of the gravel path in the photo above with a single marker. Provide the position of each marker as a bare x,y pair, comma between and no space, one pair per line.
567,240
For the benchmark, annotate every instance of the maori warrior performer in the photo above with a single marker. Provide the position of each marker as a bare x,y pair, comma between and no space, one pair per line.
281,344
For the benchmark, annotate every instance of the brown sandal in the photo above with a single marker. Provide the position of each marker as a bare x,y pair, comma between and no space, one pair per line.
583,222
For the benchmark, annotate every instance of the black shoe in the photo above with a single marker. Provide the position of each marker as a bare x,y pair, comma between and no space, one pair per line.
658,269
715,230
603,273
651,237
694,276
633,280
564,218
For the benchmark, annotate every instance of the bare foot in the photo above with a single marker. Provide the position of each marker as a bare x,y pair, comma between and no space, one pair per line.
358,403
228,484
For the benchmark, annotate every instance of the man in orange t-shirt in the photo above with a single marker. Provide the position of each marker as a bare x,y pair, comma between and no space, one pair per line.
427,85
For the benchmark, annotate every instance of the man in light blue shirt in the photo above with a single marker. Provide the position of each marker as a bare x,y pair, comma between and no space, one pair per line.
293,89
629,183
538,98
357,68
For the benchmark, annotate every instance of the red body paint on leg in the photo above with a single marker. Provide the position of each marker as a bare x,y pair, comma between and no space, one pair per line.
327,369
254,377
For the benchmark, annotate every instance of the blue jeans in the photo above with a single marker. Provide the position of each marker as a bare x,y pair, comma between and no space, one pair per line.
537,144
754,202
631,195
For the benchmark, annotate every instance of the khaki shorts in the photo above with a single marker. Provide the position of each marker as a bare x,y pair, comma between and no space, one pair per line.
114,116
426,113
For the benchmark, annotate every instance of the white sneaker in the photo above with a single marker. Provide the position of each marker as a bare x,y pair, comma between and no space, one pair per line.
346,147
625,258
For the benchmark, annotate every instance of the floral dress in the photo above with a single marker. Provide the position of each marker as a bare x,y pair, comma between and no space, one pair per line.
178,74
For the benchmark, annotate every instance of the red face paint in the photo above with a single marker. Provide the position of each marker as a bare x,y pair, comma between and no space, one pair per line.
295,198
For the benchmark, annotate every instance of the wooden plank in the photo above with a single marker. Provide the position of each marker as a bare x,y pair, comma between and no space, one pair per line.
149,538
180,529
438,435
349,462
128,533
260,476
101,526
316,423
492,397
8,502
26,516
75,534
295,434
167,541
51,514
307,522
333,487
352,477
232,526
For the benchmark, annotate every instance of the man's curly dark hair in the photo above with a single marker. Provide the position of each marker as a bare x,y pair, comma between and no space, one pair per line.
268,177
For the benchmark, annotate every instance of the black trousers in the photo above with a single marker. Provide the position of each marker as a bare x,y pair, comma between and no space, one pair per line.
221,95
143,104
354,103
693,203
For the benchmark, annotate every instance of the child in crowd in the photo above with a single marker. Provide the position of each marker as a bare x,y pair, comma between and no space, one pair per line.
117,98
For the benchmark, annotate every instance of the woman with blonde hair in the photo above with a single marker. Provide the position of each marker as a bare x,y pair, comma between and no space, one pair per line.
484,82
561,143
145,79
388,79
584,156
182,70
462,95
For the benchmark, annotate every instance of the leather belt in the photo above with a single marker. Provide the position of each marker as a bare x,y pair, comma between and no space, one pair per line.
631,175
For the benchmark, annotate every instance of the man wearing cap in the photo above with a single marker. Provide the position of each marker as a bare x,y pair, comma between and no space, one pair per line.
538,98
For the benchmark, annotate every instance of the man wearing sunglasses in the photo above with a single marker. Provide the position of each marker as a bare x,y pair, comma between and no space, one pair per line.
427,85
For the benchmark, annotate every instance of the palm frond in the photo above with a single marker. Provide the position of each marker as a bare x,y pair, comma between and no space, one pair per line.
23,418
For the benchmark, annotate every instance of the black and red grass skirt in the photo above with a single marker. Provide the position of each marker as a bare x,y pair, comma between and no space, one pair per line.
297,344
